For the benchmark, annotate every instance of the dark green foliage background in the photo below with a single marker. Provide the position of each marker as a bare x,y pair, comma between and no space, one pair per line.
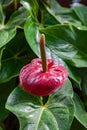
21,23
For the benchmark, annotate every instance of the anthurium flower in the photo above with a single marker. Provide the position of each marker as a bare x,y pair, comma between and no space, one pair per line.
42,83
42,76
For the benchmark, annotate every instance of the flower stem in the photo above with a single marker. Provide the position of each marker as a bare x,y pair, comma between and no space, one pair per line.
43,52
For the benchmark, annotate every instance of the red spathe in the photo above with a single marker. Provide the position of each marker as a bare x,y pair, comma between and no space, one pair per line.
34,80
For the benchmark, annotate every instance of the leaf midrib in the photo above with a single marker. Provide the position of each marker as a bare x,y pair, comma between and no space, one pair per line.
41,112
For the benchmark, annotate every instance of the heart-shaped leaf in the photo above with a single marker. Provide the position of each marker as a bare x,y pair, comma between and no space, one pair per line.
56,114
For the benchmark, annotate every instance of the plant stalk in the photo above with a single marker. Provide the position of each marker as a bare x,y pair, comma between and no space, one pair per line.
43,52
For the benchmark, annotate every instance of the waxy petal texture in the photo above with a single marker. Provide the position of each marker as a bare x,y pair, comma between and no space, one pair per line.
34,80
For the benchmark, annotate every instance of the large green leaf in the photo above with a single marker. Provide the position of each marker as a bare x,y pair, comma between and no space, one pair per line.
80,112
56,114
81,12
15,55
31,30
68,42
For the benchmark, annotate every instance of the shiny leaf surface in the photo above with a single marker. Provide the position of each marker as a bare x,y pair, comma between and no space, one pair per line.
56,114
66,41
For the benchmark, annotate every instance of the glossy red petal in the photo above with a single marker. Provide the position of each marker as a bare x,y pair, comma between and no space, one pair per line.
34,80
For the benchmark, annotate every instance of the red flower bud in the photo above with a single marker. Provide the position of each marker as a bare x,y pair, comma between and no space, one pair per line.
42,83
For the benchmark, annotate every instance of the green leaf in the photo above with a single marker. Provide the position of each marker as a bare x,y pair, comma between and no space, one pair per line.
58,9
18,18
57,14
48,14
16,54
56,114
26,5
33,3
81,12
32,6
80,112
66,41
32,35
6,35
8,30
